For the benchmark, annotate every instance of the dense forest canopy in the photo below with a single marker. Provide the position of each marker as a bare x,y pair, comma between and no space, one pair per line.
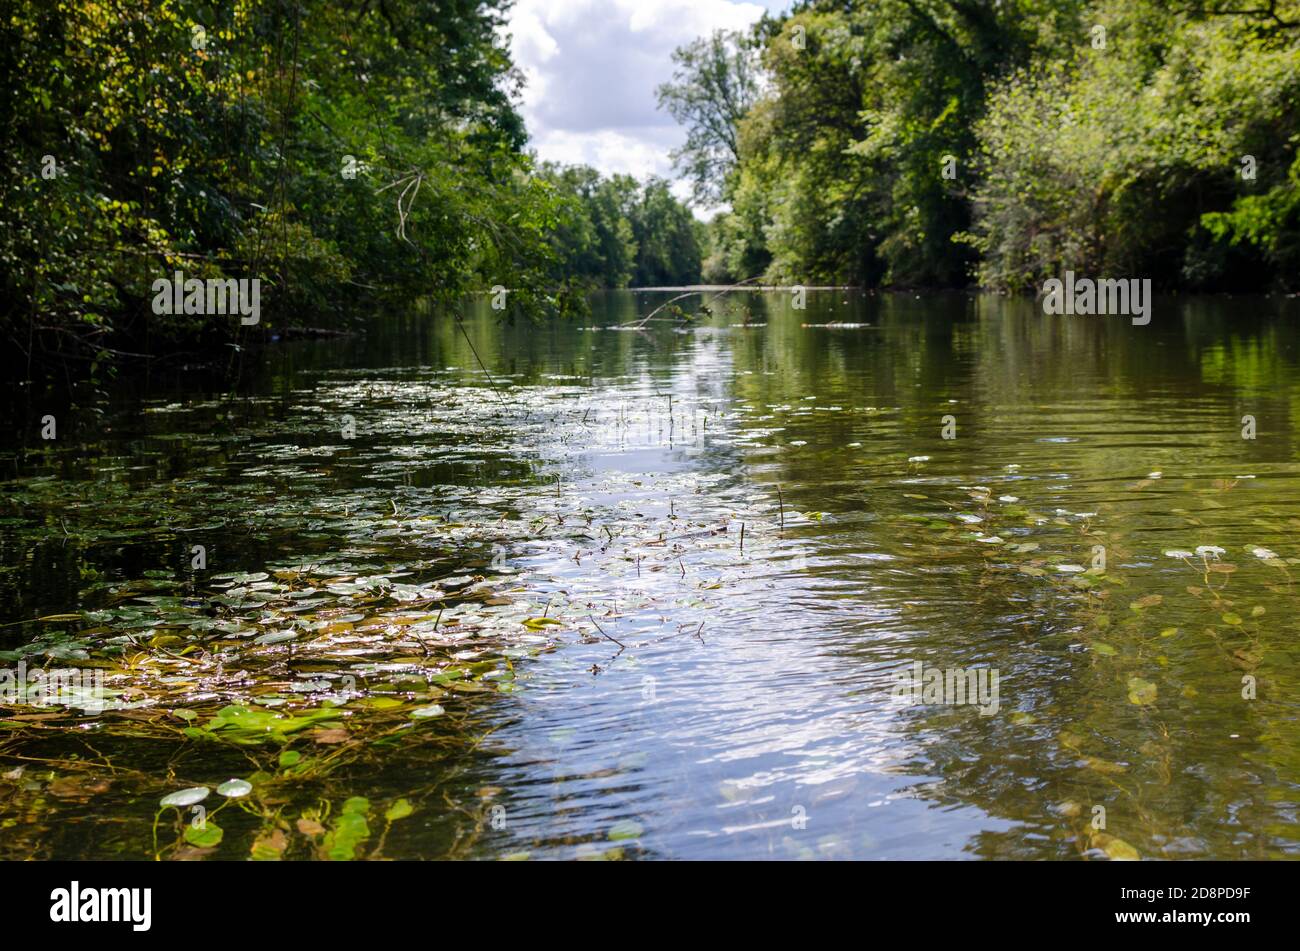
343,153
949,142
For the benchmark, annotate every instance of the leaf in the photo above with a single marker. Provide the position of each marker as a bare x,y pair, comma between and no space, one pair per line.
1142,692
398,810
626,829
77,787
328,735
1115,848
1104,766
349,831
235,788
206,836
537,623
185,797
269,846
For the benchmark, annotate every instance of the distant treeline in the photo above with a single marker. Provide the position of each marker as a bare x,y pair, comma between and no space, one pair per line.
613,232
949,142
346,154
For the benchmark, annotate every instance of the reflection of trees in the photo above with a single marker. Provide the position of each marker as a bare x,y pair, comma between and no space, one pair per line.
1134,400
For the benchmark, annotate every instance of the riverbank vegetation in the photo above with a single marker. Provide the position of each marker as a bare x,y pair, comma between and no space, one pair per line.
346,154
944,142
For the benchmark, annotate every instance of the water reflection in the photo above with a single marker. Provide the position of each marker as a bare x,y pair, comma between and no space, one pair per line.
709,700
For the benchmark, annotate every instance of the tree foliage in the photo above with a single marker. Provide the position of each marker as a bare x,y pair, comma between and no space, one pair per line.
613,232
344,153
714,84
939,142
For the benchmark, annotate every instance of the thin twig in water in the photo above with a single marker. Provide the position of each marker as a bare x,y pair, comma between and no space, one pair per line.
607,636
650,316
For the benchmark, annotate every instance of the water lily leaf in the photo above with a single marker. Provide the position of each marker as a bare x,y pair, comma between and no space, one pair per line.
206,836
235,788
537,623
185,797
432,710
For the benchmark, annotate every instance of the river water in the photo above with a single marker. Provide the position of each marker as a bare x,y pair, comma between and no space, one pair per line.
600,590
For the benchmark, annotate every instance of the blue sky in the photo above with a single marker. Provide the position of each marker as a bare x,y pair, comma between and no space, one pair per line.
592,67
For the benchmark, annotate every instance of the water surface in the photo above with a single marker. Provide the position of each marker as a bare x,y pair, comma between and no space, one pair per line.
519,599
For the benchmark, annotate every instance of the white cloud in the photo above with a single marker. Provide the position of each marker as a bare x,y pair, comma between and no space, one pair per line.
592,66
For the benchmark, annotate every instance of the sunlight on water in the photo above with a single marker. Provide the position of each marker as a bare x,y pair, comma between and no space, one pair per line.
650,592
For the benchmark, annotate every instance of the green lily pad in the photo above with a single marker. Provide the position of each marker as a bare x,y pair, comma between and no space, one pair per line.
206,836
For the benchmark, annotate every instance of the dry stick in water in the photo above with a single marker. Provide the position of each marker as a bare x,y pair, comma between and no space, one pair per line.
650,316
781,502
602,631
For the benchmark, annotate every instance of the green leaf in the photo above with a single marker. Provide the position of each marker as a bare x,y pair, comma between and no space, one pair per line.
206,836
626,829
1142,692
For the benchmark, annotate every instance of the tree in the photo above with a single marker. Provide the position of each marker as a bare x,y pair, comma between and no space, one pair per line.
714,84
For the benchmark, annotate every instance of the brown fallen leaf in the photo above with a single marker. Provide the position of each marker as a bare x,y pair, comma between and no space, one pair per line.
1103,766
77,787
335,734
270,847
190,853
310,827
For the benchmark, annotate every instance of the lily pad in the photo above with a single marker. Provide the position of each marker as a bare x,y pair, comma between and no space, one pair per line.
235,788
185,797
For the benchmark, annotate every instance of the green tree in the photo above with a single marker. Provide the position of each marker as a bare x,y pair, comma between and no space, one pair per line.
714,84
